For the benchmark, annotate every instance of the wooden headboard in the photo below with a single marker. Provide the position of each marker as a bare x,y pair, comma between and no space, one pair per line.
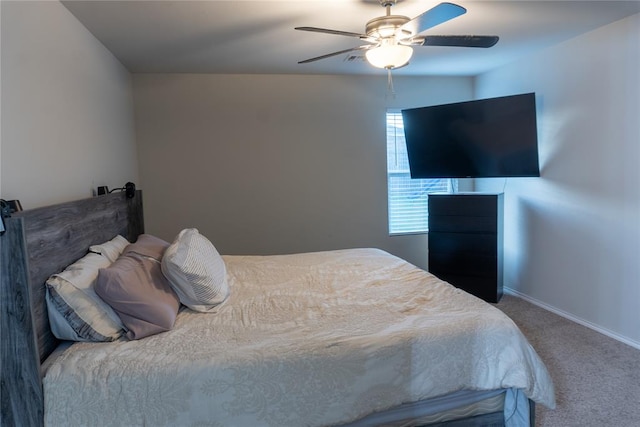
38,243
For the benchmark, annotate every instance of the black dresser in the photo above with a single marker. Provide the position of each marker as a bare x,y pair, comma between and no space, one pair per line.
465,242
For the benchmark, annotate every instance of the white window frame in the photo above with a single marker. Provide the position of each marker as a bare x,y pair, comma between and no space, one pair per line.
407,198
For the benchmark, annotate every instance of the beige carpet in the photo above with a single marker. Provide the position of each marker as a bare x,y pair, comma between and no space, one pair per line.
597,379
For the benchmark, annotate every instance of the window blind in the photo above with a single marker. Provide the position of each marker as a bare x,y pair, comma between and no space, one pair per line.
407,198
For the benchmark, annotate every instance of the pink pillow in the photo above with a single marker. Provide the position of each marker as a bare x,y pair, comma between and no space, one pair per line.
148,245
138,292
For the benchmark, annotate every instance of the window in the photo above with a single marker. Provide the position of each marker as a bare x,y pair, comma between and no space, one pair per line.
407,197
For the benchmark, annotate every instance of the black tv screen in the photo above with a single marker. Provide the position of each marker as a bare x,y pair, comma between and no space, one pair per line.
494,137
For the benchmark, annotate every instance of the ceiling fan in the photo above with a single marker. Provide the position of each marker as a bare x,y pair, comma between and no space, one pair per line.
391,38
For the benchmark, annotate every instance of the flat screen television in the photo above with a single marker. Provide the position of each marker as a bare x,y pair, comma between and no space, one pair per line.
486,138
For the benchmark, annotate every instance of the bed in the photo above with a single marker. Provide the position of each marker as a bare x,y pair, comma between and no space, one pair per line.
352,337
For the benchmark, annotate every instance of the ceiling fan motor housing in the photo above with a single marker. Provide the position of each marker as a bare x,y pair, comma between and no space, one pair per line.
387,26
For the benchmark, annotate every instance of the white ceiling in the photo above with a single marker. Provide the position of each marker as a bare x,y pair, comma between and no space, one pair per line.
249,37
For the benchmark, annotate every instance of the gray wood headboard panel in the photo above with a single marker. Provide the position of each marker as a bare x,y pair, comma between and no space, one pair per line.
19,381
37,244
58,235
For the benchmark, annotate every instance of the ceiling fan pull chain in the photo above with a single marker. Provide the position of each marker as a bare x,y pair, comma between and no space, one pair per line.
390,90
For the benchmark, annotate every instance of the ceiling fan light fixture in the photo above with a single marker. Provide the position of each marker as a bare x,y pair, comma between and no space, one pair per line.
391,37
389,55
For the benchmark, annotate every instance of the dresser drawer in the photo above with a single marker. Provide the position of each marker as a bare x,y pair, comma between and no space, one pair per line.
464,204
463,264
463,224
479,244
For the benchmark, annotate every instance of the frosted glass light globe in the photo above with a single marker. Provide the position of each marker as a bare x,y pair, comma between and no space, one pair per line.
389,56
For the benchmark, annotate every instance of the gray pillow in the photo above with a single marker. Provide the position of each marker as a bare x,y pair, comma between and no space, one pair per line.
138,292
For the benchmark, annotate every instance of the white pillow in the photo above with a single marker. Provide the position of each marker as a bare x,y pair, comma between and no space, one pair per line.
111,249
75,311
196,271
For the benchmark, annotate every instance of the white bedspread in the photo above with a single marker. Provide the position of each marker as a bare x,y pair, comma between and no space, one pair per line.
303,340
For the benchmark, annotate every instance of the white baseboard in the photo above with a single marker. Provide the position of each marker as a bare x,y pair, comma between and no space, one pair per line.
569,316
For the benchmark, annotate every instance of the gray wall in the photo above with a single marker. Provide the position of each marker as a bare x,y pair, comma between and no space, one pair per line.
67,108
267,164
572,237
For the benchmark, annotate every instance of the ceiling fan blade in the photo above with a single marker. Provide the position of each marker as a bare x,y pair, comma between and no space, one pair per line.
460,41
434,16
329,55
335,32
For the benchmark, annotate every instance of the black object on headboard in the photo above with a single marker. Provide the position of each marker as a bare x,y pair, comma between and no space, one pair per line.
38,243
